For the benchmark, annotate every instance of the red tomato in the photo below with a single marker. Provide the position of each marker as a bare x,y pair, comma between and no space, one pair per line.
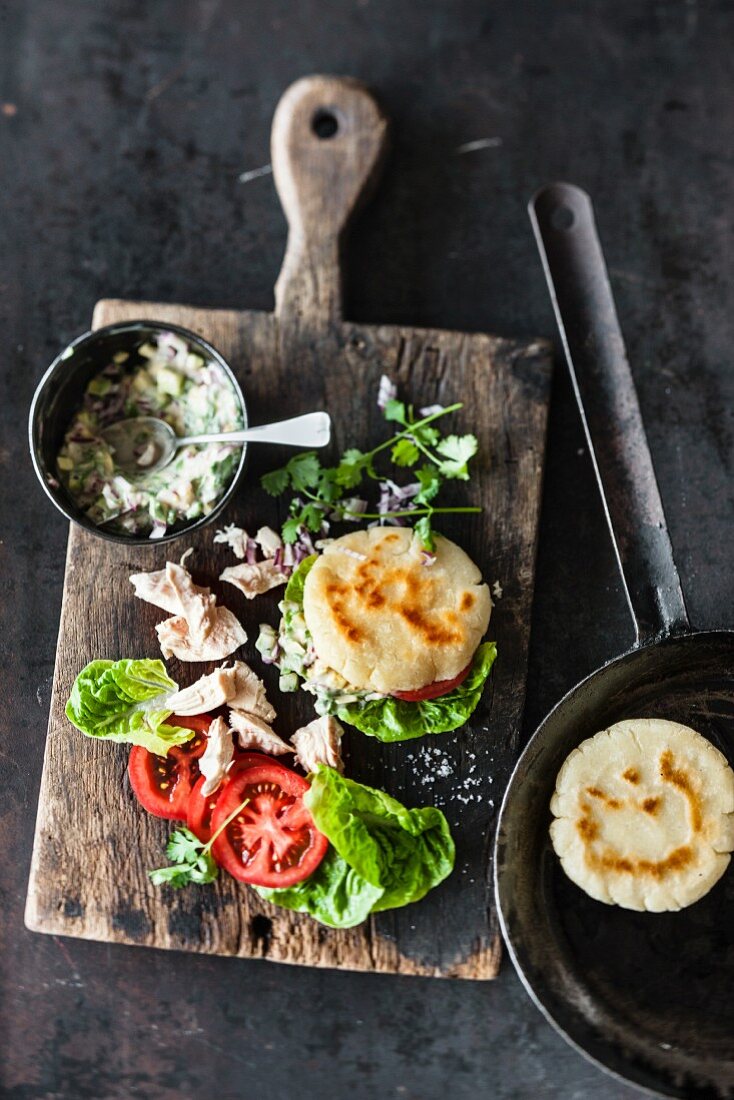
200,808
273,840
163,783
432,691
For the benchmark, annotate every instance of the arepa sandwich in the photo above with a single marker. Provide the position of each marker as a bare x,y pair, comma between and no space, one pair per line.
384,635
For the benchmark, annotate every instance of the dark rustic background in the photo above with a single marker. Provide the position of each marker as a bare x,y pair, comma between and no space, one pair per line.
125,128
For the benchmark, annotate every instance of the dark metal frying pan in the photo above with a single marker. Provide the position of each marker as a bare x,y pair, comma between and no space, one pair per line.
649,997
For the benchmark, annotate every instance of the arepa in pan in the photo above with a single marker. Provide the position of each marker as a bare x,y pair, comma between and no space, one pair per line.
644,815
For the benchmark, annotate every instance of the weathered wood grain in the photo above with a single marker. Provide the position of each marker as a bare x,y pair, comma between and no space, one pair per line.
93,844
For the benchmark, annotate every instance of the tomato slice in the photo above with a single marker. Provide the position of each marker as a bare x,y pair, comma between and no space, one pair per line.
273,840
432,691
163,784
200,807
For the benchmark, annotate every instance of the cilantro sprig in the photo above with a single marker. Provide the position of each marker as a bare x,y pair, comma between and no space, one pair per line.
327,492
191,858
417,444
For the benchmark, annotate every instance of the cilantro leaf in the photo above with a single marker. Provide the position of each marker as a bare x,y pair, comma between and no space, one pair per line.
350,470
276,482
176,876
430,482
457,450
427,435
395,411
425,533
191,861
304,470
328,488
289,531
183,845
405,452
204,870
312,517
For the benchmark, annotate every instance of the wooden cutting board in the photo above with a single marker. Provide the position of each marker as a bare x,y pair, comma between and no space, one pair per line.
93,843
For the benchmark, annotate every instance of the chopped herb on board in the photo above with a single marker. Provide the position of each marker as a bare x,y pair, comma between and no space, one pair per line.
325,493
191,859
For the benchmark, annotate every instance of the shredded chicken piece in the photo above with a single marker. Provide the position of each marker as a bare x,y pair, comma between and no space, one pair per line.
254,579
269,541
157,589
234,537
225,636
217,755
206,693
319,743
199,610
238,685
253,733
249,693
199,630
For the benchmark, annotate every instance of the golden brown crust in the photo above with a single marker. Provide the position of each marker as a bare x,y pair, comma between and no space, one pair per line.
387,621
644,815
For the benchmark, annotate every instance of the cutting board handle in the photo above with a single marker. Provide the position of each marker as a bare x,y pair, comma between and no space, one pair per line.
327,143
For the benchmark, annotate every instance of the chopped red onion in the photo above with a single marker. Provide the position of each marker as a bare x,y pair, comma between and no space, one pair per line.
306,541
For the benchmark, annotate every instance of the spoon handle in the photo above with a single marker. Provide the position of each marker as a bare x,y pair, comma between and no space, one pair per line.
311,430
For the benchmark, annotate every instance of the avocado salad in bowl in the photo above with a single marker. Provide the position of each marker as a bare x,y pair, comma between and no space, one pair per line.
137,369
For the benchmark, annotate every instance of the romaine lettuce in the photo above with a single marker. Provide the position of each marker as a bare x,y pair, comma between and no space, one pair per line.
382,855
391,719
294,589
334,895
126,701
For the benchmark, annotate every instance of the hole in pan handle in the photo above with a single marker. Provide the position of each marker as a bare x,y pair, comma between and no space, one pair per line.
563,221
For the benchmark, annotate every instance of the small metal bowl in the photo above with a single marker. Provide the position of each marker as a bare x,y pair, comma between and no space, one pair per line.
59,394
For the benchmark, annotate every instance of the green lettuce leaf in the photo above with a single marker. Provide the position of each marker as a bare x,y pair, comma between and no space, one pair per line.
403,852
334,895
397,720
125,701
296,584
381,855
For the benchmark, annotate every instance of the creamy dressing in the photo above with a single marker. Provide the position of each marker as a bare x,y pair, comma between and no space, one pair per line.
194,395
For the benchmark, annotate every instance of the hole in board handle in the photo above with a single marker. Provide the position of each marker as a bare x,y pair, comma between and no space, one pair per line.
324,124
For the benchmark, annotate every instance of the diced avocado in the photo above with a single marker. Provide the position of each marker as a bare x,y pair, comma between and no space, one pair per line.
120,356
142,382
99,386
288,681
170,382
64,463
148,351
193,362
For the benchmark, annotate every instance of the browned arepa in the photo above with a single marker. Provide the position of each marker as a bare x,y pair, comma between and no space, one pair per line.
390,618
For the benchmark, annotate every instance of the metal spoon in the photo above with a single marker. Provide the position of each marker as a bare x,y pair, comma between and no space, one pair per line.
143,444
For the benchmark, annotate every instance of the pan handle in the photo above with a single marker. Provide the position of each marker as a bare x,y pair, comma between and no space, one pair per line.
563,221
